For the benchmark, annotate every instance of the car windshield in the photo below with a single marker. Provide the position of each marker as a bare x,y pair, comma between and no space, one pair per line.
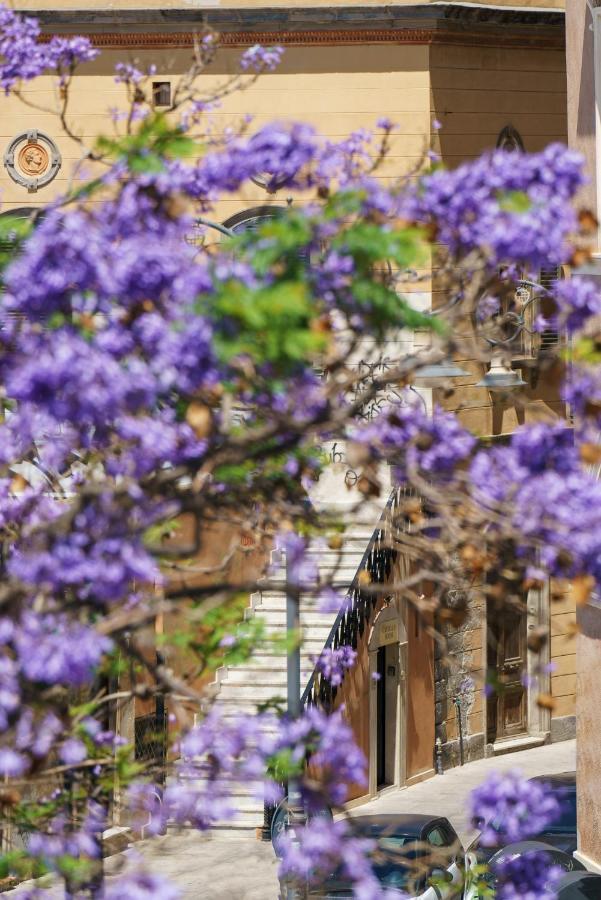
393,859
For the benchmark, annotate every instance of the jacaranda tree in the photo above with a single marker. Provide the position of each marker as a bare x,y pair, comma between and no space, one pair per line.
151,374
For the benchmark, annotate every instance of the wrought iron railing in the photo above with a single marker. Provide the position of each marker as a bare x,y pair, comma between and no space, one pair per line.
358,611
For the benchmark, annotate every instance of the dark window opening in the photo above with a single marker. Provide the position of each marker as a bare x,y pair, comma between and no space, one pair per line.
161,93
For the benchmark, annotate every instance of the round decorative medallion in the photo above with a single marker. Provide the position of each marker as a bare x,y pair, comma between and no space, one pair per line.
32,159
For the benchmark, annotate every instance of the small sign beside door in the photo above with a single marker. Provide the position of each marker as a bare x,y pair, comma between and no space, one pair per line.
389,633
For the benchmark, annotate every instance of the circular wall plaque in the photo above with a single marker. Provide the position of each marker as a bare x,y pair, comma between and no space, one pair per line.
32,159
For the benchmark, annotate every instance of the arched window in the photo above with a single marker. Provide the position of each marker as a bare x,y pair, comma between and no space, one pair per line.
8,239
250,219
510,140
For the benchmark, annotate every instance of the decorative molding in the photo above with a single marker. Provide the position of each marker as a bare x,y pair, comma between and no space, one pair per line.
37,161
542,39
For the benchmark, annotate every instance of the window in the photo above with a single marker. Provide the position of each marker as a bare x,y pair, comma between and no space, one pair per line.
437,838
251,219
161,93
510,140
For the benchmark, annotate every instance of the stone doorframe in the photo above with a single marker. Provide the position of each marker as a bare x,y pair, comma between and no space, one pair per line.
388,628
538,724
538,615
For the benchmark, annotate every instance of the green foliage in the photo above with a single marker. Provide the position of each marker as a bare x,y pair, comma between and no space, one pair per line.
147,148
270,324
515,202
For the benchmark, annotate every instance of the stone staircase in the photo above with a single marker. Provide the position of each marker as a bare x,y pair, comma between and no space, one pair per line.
238,689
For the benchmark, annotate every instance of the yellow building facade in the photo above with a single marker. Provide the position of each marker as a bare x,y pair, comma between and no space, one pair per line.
477,68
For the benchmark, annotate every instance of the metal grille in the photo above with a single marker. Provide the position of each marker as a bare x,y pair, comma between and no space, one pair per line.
549,338
358,614
151,738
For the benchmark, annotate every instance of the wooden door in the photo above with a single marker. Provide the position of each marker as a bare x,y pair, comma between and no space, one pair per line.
507,707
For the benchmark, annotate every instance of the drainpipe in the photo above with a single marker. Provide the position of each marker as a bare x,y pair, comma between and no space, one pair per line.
457,702
438,757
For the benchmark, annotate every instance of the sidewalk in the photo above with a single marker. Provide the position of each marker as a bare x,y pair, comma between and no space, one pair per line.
206,868
446,795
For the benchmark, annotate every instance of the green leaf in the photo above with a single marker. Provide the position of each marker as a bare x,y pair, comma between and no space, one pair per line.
515,202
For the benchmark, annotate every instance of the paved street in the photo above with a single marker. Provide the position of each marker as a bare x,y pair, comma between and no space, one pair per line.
231,869
446,794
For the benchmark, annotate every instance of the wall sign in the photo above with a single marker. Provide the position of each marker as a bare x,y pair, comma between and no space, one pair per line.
32,159
389,633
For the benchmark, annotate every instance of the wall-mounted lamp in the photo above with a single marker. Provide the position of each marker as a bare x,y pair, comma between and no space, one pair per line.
501,378
436,375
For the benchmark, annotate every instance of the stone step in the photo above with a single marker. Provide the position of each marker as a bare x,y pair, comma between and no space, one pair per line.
250,691
267,675
277,599
308,620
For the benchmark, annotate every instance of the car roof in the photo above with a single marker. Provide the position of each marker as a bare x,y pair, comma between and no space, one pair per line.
409,822
562,779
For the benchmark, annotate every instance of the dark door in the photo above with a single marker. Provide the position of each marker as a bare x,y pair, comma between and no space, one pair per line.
381,715
507,706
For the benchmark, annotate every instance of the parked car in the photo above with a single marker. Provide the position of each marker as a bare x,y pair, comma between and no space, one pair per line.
481,884
417,855
579,886
560,834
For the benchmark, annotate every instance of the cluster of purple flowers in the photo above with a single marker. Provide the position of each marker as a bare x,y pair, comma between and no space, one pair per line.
261,59
321,847
510,209
510,808
529,876
554,500
409,438
23,56
332,664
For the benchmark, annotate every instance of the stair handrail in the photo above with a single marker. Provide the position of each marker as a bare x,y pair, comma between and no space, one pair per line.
359,606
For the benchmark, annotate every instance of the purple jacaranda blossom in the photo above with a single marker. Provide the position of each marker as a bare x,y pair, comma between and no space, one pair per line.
329,600
261,59
283,151
126,73
472,209
73,751
321,847
407,437
487,307
511,809
578,300
53,650
554,499
527,876
140,886
24,57
62,837
301,565
332,664
12,764
10,692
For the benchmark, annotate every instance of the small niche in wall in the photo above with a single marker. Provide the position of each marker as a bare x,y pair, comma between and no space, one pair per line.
161,93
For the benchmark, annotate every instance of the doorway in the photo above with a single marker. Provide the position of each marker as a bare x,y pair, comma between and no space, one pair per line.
507,705
387,690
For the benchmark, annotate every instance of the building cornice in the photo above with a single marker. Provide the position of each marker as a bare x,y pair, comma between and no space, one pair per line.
535,39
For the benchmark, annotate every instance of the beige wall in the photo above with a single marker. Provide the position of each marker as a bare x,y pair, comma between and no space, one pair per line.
336,89
581,91
563,651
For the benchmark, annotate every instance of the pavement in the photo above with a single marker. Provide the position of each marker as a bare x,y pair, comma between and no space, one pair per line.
231,868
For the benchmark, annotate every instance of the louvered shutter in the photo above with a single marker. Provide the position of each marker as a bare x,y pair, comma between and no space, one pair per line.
550,338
